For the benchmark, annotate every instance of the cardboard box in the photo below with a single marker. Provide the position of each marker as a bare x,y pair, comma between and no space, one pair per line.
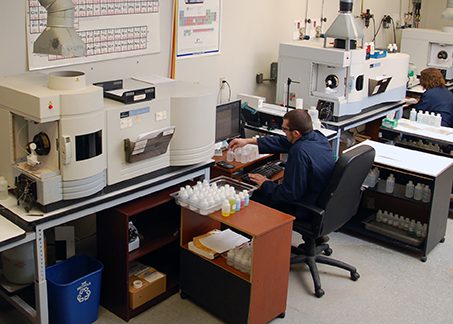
153,283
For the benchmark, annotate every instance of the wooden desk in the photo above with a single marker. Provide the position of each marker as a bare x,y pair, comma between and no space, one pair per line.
234,296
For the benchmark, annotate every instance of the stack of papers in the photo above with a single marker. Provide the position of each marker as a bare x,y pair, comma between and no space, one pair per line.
215,242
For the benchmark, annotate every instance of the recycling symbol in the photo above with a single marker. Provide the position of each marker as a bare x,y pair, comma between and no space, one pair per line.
84,294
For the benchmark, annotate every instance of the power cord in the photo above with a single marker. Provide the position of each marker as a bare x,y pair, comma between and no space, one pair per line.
229,89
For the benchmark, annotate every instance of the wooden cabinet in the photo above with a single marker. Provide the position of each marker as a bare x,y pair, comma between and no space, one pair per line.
426,169
157,219
234,296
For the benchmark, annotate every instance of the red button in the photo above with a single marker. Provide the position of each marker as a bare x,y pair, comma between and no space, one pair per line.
50,106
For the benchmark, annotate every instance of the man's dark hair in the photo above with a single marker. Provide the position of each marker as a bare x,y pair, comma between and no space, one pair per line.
300,120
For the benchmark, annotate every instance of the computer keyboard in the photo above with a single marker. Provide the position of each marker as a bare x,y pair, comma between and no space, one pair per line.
268,170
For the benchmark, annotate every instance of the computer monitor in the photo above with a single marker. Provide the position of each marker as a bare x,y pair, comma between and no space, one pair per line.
228,121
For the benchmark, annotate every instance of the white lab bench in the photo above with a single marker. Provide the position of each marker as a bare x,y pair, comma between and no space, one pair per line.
438,135
405,164
36,222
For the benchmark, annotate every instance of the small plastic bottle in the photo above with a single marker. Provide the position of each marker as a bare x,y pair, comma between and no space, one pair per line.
438,120
424,230
418,191
426,194
230,156
412,227
3,188
238,203
390,183
420,117
413,115
409,189
232,202
385,217
379,216
241,197
418,229
246,198
226,208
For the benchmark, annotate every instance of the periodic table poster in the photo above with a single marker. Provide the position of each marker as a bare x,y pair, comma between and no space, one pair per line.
198,28
110,29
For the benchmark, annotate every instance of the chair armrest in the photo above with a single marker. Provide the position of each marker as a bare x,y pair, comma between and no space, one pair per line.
312,208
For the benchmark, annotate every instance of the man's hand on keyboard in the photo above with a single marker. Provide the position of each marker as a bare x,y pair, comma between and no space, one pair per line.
257,178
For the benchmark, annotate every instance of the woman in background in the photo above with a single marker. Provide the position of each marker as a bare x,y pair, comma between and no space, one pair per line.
437,98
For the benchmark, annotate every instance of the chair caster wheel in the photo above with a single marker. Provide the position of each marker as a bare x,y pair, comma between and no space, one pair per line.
442,240
183,295
319,293
423,258
355,276
282,315
328,251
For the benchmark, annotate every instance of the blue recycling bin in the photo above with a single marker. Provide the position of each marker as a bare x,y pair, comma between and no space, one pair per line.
74,290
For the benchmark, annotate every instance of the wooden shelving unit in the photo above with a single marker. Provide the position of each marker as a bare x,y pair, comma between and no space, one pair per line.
157,219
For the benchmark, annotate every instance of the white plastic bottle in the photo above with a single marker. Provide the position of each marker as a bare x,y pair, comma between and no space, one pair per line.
420,117
390,183
413,115
426,117
438,120
3,188
426,194
379,216
409,189
418,191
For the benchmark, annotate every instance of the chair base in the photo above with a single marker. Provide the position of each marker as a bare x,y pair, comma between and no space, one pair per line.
311,261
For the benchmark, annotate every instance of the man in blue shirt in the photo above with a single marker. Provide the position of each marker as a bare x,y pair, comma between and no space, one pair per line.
436,98
308,168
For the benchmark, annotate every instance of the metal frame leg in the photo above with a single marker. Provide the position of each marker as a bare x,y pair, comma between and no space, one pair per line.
42,313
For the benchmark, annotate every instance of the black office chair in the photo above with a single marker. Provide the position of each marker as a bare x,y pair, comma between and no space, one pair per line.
335,206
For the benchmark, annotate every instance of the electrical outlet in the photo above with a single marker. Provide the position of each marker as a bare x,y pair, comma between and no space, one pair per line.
221,79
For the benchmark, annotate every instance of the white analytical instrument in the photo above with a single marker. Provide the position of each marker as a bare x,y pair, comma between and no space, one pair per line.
52,137
429,48
339,82
62,140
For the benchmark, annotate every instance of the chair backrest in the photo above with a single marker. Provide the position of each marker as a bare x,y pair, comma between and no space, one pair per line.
341,198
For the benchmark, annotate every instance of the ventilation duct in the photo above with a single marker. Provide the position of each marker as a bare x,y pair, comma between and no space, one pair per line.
344,26
59,37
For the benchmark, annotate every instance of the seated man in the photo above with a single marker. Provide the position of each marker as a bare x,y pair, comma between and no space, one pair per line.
308,168
437,98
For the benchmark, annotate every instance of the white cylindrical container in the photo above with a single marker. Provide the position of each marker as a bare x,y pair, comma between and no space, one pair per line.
3,188
409,189
299,103
413,115
390,183
426,194
18,264
230,156
418,191
420,117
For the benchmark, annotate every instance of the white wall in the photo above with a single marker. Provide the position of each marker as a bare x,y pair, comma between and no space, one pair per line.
251,32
